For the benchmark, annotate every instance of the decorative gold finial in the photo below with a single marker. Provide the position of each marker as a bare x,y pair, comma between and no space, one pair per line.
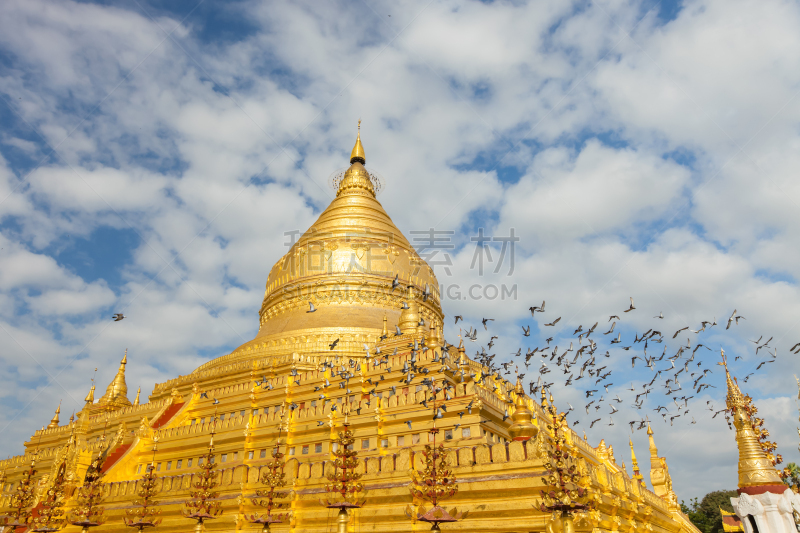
274,477
734,399
145,510
138,392
90,397
344,489
54,422
357,181
635,464
357,155
435,481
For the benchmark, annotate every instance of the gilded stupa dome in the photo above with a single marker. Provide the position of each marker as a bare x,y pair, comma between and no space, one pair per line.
344,266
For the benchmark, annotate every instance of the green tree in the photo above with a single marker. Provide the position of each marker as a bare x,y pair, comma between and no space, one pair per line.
705,513
792,475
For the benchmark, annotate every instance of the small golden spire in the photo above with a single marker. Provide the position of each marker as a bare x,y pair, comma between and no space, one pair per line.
90,397
522,429
432,340
635,464
385,332
138,392
54,422
357,155
734,398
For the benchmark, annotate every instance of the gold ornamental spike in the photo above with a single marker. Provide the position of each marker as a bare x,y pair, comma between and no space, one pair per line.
635,464
734,398
138,392
358,150
54,422
90,397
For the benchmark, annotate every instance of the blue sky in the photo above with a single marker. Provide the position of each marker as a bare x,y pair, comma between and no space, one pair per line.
153,156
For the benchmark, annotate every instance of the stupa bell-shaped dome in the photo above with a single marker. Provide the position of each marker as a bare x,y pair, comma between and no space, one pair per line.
344,265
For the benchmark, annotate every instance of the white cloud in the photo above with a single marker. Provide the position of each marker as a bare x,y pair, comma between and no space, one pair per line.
597,190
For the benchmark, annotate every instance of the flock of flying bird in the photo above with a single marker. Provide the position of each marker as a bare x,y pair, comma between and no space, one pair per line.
582,360
677,372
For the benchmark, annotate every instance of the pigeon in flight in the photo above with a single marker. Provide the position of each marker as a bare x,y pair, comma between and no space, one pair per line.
118,316
631,308
733,317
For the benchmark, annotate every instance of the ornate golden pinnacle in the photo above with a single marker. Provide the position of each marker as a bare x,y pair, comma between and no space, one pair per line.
22,499
274,478
344,479
50,512
344,482
203,505
436,481
88,513
565,493
144,515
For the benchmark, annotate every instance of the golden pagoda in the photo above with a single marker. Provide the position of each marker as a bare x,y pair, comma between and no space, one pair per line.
350,332
765,504
755,468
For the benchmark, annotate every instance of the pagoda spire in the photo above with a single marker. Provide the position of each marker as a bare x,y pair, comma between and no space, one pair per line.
357,155
117,391
755,468
356,180
653,449
138,392
54,422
